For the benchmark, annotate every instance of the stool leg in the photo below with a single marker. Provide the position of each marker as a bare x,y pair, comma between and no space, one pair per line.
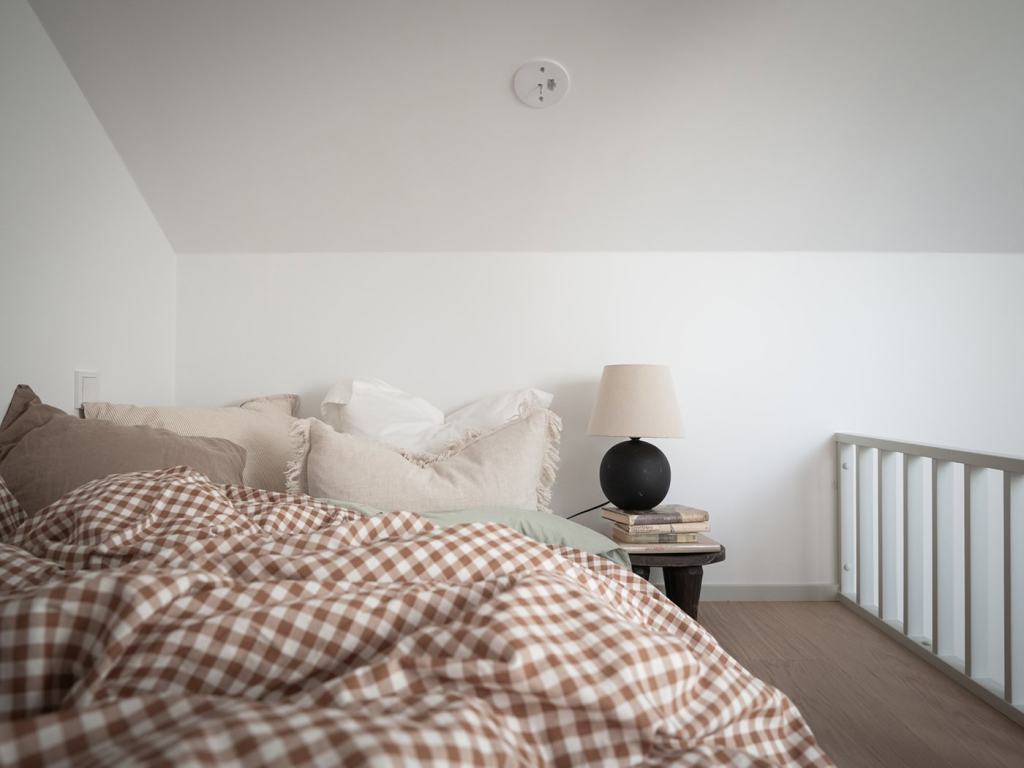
682,585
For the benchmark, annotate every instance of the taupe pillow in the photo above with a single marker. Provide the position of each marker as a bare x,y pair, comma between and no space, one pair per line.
260,426
44,452
512,466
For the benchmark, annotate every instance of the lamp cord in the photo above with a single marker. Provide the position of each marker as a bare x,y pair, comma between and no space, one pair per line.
591,509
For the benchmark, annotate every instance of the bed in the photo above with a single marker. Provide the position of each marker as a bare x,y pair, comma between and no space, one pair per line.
158,618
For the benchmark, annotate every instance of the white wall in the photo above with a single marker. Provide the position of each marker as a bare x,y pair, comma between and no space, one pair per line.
390,125
86,275
771,353
264,128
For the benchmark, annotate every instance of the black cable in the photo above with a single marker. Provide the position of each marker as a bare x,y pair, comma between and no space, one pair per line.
596,506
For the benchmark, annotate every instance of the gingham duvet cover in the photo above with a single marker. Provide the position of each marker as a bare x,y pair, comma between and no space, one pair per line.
156,618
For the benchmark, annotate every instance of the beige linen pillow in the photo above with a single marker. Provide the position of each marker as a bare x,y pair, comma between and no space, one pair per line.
44,452
512,466
261,426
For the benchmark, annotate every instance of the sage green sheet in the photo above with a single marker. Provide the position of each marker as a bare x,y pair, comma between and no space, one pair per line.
540,526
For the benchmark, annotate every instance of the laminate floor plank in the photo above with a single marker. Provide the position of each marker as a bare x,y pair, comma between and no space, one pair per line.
870,701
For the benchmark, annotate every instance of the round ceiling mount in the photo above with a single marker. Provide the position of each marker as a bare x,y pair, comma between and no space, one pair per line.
541,83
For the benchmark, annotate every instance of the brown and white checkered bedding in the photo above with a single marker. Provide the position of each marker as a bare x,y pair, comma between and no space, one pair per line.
156,618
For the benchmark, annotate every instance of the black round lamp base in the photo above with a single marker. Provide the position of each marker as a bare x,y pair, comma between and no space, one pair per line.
635,475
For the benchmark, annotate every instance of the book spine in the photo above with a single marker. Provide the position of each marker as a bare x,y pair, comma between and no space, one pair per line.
665,538
662,529
666,528
649,518
687,514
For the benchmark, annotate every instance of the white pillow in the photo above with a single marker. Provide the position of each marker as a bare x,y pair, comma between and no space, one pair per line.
377,410
261,426
511,466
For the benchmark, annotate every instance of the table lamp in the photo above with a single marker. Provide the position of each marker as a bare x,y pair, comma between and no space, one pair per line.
636,401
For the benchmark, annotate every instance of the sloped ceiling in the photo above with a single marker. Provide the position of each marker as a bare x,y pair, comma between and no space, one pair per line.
332,125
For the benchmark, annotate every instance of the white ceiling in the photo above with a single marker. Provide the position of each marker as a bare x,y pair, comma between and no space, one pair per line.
324,125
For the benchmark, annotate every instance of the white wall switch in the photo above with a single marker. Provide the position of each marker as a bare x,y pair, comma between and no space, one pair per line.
87,388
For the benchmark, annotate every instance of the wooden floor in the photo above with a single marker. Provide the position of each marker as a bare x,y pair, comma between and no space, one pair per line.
869,701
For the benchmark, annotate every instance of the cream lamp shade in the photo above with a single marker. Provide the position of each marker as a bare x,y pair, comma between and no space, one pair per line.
636,401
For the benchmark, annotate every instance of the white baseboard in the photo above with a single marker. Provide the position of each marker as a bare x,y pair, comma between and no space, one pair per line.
759,592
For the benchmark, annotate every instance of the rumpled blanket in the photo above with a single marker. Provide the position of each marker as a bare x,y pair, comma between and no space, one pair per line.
156,618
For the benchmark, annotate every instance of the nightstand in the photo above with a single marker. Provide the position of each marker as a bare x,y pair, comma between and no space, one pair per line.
683,567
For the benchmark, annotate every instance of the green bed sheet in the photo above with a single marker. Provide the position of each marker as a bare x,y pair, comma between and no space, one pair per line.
540,526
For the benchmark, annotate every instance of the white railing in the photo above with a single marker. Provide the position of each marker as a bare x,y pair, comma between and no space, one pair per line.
931,548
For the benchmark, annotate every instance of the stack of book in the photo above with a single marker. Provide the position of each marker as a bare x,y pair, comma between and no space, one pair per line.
668,524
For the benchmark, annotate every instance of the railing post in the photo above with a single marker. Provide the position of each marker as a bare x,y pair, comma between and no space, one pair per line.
880,536
867,554
935,556
906,545
968,665
856,522
1007,588
839,514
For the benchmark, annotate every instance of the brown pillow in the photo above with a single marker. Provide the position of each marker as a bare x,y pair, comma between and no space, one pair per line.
44,452
260,426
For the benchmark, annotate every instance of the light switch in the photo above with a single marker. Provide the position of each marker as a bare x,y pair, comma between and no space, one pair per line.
87,388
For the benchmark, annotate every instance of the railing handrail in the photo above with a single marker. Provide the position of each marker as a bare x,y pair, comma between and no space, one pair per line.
1014,464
